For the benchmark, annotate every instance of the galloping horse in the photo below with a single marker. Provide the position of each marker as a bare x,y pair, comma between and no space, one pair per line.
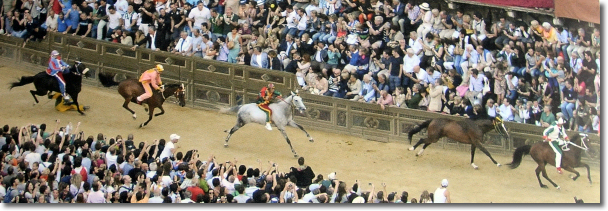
464,131
131,88
542,154
281,116
45,83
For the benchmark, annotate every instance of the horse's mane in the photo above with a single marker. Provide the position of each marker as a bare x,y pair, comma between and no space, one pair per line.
173,85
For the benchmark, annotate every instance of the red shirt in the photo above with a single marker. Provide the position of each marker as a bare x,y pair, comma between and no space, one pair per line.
195,190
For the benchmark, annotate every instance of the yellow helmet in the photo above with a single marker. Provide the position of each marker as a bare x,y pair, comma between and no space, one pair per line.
159,67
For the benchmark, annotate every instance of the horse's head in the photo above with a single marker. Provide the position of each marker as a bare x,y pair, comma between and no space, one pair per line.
180,94
499,126
297,101
585,143
79,69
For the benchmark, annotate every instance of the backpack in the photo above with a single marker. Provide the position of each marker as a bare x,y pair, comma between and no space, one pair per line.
9,196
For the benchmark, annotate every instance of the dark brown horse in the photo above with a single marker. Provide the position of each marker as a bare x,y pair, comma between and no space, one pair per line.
465,131
45,84
542,154
131,88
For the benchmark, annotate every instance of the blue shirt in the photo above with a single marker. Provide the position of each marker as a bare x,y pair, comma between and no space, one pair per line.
61,25
367,91
354,58
74,19
67,5
563,37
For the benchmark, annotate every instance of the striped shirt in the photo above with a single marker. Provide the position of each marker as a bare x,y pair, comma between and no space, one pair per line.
413,13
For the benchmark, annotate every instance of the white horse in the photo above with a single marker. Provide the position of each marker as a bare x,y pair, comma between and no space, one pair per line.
281,116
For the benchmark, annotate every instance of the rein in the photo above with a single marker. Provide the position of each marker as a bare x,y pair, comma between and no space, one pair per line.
582,143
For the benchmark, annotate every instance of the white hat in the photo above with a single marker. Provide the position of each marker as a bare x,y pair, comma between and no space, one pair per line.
425,6
444,183
560,121
359,199
173,137
54,53
332,176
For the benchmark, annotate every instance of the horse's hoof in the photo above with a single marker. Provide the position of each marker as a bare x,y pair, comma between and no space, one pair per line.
142,125
558,187
134,116
225,145
411,149
311,140
296,156
83,114
498,165
475,166
544,186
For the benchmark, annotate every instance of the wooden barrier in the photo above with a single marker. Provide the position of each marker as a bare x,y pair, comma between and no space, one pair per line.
212,85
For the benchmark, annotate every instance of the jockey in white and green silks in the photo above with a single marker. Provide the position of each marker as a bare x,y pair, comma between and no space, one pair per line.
556,135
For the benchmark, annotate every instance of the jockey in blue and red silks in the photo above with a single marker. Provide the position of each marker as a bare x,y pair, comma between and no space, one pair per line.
56,69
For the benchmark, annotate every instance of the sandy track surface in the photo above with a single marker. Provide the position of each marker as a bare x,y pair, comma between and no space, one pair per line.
351,157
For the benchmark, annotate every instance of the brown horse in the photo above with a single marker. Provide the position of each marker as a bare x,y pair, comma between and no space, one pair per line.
542,154
131,88
465,131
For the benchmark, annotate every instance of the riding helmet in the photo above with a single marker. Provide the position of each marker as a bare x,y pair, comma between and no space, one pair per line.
159,67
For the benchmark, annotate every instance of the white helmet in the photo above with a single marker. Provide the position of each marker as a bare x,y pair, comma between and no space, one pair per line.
560,121
54,53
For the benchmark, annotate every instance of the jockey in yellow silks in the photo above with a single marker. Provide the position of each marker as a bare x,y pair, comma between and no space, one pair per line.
150,79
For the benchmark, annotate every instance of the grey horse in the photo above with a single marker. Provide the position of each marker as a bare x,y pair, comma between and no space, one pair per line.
281,116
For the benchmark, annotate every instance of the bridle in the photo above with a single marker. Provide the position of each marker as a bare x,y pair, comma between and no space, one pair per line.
497,122
584,147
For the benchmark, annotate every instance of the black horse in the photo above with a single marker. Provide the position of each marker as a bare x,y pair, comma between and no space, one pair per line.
45,83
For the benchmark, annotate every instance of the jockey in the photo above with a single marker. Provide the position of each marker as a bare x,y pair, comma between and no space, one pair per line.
556,135
150,78
56,69
264,98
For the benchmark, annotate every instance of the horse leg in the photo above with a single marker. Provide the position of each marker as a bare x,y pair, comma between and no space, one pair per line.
288,141
473,148
236,127
126,106
412,148
150,114
162,111
294,124
485,151
571,169
75,99
588,172
423,148
551,181
538,170
34,93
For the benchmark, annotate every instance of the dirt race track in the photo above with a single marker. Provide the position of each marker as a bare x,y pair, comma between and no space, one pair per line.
367,161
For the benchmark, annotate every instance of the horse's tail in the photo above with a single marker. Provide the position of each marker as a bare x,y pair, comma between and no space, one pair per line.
230,110
24,80
417,129
518,155
107,80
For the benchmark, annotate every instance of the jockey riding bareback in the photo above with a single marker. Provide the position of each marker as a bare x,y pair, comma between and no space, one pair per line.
556,135
150,79
264,99
56,69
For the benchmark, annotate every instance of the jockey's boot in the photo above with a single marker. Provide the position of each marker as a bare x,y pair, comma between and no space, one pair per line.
559,170
268,127
67,100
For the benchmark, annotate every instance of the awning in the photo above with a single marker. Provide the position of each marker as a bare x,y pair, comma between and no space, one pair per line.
520,3
584,10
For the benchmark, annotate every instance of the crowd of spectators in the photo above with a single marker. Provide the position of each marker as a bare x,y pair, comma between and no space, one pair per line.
395,53
62,165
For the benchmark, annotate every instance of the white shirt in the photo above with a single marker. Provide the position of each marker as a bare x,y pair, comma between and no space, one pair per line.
51,23
416,46
167,150
196,43
33,157
409,63
289,19
156,199
476,84
302,24
199,16
439,196
422,75
153,37
183,45
111,159
113,20
121,6
241,198
129,18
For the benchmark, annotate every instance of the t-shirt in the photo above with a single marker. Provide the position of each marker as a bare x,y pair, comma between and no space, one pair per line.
113,20
396,62
199,16
167,150
84,26
111,159
33,157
